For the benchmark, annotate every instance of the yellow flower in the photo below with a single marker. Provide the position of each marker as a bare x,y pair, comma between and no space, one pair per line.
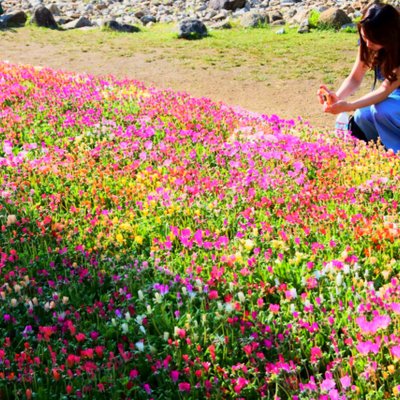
248,244
391,368
126,227
119,238
139,239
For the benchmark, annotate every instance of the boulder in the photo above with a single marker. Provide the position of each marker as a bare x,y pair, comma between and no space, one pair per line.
81,22
192,29
253,19
222,25
146,19
304,26
53,8
334,17
227,4
42,16
275,16
14,18
115,26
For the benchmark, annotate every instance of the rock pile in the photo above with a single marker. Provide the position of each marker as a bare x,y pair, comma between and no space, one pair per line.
124,14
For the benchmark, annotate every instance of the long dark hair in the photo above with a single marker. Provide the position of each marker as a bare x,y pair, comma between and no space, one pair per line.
381,25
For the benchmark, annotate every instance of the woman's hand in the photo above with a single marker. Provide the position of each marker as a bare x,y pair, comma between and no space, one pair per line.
326,96
337,107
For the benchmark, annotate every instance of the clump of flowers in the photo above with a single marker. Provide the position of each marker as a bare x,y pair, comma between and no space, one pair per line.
154,244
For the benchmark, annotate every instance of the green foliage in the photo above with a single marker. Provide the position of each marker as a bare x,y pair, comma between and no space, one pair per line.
313,18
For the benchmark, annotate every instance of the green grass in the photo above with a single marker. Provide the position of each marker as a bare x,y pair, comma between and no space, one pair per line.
259,52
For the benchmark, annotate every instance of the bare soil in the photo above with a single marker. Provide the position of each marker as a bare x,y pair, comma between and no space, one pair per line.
288,100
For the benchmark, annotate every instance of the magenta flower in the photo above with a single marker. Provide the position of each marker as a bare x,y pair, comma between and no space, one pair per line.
213,294
378,322
395,350
240,384
184,387
345,381
396,307
174,376
368,347
327,385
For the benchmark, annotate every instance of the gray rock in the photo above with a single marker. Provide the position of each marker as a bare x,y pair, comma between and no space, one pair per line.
210,12
334,17
227,4
351,25
35,3
276,16
14,18
253,19
289,2
81,22
192,29
304,27
43,17
116,26
146,19
222,25
53,8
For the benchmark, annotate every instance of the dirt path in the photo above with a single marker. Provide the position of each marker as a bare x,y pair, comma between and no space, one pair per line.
263,97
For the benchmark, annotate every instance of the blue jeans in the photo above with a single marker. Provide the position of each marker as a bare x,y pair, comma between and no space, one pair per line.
382,120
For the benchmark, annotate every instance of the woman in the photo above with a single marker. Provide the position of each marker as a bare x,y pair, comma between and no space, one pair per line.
377,114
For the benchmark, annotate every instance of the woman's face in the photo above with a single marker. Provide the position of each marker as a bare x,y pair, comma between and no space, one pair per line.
371,45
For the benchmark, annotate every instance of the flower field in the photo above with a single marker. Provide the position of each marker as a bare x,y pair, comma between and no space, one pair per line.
158,246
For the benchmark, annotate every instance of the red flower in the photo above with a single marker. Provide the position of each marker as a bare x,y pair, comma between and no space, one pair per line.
80,337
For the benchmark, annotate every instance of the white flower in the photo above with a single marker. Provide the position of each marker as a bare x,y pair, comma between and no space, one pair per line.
139,319
339,279
125,327
158,298
139,346
241,297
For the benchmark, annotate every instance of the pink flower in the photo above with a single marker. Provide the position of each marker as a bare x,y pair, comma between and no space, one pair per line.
316,354
396,307
378,322
345,381
367,347
174,376
133,374
333,394
213,295
147,388
184,387
395,350
328,384
274,308
240,384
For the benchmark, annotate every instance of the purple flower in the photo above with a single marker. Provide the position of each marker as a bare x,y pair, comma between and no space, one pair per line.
327,385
